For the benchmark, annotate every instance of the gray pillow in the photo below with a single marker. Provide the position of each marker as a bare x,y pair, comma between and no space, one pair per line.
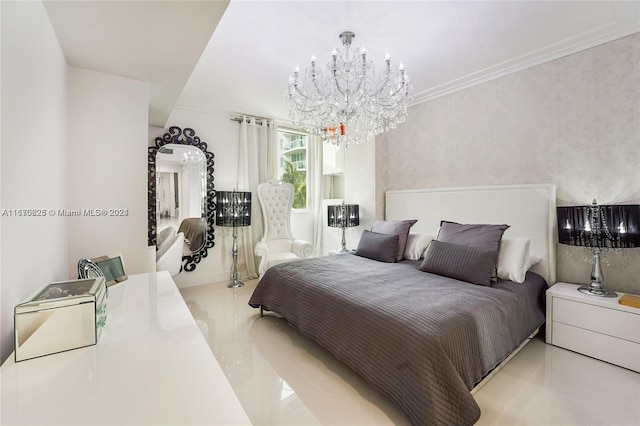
376,246
480,236
399,227
471,264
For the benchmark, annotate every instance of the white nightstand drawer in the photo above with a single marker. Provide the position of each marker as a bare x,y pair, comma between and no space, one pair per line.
616,351
597,318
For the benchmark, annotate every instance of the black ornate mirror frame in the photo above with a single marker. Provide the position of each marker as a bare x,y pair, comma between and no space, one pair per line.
176,135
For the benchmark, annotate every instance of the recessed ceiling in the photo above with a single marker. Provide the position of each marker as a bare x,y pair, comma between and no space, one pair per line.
159,42
240,65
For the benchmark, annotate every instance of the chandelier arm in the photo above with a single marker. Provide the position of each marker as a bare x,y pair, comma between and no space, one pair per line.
318,118
334,67
405,85
380,90
315,80
302,108
363,66
317,87
397,91
344,91
357,89
389,105
362,77
337,84
301,93
392,105
386,81
309,112
386,104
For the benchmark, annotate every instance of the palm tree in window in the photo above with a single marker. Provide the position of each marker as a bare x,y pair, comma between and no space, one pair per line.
299,181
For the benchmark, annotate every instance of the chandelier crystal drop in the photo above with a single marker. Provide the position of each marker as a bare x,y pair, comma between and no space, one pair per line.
345,102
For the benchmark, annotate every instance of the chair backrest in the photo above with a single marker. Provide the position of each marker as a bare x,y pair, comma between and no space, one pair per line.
276,201
164,235
169,255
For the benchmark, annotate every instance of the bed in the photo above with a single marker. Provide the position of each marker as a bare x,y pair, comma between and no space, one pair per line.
423,339
194,230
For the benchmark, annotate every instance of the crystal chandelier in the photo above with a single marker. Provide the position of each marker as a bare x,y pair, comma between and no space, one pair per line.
193,161
346,103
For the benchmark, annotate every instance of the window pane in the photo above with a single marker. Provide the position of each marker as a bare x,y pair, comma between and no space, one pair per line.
292,152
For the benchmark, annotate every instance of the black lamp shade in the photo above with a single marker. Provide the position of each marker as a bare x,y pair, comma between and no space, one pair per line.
233,208
614,226
347,215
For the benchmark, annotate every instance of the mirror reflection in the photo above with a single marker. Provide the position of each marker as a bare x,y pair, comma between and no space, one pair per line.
181,182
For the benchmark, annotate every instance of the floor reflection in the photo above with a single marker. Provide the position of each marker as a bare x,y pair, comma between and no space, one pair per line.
283,378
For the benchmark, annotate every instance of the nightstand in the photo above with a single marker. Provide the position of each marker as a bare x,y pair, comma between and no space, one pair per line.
598,327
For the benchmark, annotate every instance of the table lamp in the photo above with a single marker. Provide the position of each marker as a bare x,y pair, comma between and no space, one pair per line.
599,228
343,216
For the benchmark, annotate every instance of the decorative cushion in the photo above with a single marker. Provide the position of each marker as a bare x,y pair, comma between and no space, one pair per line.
377,246
416,245
471,264
474,235
399,227
513,259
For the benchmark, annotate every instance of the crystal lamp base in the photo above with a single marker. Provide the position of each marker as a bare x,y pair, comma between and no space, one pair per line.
596,291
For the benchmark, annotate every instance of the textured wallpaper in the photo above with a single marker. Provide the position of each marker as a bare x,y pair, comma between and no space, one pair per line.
574,122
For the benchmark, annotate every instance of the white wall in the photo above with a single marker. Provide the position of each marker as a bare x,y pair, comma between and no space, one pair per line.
574,122
108,131
33,155
360,187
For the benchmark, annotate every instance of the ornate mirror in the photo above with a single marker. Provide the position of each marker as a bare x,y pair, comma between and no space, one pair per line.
181,192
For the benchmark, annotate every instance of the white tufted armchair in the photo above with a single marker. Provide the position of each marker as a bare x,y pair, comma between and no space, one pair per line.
277,244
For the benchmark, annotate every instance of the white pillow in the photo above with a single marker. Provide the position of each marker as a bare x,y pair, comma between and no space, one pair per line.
533,261
513,259
416,245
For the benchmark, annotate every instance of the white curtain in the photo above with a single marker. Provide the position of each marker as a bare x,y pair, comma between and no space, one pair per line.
257,162
314,188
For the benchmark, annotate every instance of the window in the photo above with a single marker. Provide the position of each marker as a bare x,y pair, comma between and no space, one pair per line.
292,154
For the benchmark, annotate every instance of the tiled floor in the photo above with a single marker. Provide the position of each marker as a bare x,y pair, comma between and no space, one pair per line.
282,378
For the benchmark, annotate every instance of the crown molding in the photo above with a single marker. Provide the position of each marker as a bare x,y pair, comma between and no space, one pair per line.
586,40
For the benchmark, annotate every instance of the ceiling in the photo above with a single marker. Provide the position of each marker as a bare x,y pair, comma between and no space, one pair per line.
235,57
159,42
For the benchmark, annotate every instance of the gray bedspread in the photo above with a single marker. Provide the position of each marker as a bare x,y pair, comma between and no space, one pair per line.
195,232
423,340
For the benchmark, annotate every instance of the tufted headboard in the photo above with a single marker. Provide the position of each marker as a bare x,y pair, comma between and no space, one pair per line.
276,200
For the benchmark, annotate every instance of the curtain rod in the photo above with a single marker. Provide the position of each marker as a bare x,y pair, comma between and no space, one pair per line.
260,120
